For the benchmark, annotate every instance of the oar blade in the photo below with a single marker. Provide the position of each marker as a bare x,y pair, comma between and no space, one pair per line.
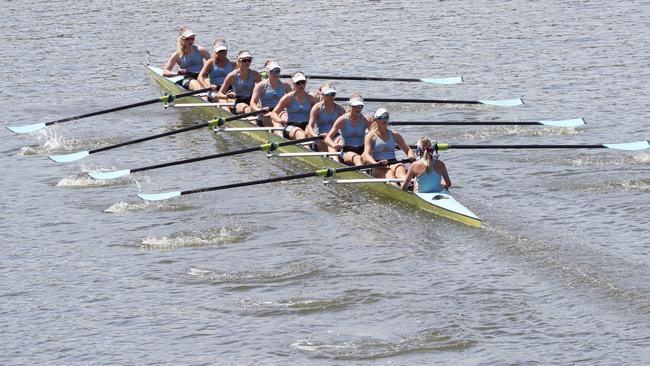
159,196
630,146
109,175
26,128
443,81
564,123
67,158
503,102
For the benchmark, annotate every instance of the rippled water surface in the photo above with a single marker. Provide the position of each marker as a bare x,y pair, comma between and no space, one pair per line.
302,273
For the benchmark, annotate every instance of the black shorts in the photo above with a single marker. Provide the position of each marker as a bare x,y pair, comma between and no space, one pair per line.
354,149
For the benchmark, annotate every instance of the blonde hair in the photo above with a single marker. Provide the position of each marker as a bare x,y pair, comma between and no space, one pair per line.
181,46
427,152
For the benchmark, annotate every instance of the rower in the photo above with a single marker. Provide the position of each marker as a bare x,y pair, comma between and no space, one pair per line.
267,93
430,173
323,115
380,145
297,105
242,79
189,59
352,126
216,69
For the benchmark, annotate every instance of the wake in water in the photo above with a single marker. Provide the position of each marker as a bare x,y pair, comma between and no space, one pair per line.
347,347
84,181
256,277
206,238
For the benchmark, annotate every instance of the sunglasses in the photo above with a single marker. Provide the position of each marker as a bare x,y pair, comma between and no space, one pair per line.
330,94
246,60
189,38
222,51
383,118
301,82
275,71
359,107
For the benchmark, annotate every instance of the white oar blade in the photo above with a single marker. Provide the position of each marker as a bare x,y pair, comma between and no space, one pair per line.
159,196
109,175
443,81
564,123
26,128
630,146
69,157
503,102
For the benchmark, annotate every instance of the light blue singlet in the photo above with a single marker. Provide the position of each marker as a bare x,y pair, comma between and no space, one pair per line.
243,88
299,112
270,97
351,135
192,63
218,74
384,150
326,120
430,183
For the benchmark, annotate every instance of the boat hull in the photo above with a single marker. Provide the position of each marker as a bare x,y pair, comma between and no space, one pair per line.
441,204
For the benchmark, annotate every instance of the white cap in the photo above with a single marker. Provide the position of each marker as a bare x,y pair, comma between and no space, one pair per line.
356,100
187,34
298,76
328,88
270,65
244,54
381,112
220,46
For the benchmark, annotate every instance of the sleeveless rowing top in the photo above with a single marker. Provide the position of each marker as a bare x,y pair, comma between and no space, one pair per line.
218,74
429,183
270,97
243,88
353,136
299,112
326,120
192,62
383,149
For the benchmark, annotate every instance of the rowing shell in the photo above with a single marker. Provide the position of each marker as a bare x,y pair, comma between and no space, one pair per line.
441,203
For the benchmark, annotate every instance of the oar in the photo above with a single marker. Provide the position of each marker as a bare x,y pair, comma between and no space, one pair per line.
164,99
497,103
215,122
552,123
268,147
628,146
327,172
439,81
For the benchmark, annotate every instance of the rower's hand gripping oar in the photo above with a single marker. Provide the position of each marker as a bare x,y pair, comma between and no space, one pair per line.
628,146
496,103
268,148
327,172
165,99
439,81
550,123
215,122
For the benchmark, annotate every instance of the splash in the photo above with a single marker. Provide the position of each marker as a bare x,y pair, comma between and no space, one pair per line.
208,238
83,180
142,206
367,348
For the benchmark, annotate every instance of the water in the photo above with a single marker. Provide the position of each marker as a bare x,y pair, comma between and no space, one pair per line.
301,273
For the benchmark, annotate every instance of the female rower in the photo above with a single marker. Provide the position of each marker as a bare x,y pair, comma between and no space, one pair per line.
297,104
429,172
189,59
216,68
323,115
379,147
268,93
352,127
242,80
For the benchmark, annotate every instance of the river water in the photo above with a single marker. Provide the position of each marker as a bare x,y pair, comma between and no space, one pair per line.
302,273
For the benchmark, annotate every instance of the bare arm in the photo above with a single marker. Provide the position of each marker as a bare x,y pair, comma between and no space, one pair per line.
409,175
367,149
222,94
404,146
256,76
255,98
313,117
443,172
173,60
336,127
282,105
203,75
204,53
